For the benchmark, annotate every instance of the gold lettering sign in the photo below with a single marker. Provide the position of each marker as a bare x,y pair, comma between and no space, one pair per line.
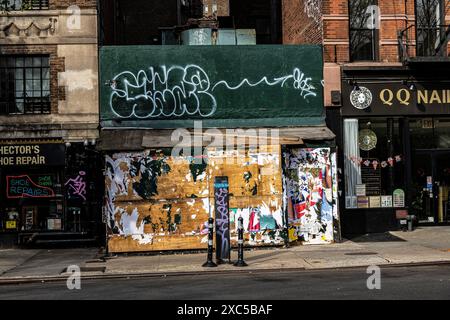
21,155
433,96
403,96
422,97
387,96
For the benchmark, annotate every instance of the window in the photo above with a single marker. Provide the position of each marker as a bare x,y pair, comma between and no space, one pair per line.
363,31
25,4
24,85
373,160
431,32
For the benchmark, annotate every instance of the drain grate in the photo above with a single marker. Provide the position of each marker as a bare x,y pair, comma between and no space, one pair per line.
361,253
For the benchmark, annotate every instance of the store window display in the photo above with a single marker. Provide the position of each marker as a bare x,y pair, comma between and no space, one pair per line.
374,162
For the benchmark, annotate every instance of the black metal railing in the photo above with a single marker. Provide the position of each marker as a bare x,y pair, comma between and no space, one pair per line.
37,4
428,42
35,105
13,5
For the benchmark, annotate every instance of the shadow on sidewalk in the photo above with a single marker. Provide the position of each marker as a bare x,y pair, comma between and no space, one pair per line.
375,237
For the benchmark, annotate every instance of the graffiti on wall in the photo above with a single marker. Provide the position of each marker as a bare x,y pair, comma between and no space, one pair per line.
177,91
76,187
221,201
309,195
313,9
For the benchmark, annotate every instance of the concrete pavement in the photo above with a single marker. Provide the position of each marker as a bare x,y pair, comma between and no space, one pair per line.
399,283
427,245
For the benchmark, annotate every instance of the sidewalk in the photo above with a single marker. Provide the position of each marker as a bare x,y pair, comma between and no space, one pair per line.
423,246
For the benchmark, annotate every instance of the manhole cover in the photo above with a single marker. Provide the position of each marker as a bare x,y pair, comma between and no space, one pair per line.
361,253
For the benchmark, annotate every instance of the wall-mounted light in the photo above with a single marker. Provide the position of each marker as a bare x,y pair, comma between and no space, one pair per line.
111,83
68,144
354,84
411,85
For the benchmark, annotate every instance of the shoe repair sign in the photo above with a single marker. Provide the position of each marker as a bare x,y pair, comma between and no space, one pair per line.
32,155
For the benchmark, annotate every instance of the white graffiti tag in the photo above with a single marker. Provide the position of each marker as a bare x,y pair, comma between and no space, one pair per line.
182,91
170,92
299,82
313,8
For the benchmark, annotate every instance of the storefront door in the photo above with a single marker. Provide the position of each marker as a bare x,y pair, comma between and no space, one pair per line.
431,181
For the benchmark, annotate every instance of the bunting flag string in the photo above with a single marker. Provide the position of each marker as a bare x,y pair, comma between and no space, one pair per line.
389,162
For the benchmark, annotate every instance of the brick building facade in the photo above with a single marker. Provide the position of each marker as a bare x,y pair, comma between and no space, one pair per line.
49,104
386,97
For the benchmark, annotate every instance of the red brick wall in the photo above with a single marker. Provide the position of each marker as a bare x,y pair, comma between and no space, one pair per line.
394,17
223,7
302,21
57,64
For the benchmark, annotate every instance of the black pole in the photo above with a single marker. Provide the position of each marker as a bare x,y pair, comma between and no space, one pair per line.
240,262
210,263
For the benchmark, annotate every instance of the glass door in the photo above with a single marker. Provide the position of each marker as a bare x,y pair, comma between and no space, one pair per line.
431,183
422,204
441,164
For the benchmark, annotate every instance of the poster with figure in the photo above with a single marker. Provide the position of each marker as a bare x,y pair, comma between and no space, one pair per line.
309,195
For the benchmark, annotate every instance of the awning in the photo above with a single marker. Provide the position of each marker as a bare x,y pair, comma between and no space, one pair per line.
116,139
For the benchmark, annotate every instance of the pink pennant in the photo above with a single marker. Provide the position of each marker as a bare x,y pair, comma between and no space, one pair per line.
384,164
391,161
367,163
375,164
398,158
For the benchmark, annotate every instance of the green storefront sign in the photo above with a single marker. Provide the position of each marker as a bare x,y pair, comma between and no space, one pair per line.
224,86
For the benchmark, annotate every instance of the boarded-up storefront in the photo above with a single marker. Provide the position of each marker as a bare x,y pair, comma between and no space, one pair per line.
157,99
160,202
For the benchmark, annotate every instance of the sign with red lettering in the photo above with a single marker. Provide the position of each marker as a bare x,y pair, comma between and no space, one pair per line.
24,186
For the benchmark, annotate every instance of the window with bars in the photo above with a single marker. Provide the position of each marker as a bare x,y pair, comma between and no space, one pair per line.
25,5
24,85
363,33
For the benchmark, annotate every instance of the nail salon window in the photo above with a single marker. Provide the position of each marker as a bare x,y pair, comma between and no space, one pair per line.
373,160
430,133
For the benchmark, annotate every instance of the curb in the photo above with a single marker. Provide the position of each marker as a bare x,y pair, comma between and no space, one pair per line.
51,279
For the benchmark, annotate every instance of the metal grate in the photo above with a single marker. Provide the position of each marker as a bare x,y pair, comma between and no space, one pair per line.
39,4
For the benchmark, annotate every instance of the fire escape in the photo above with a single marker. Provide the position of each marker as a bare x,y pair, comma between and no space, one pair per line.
427,40
429,44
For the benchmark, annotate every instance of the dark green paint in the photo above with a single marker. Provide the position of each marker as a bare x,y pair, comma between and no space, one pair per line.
247,106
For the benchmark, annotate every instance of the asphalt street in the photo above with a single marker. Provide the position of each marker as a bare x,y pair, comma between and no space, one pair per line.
421,283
